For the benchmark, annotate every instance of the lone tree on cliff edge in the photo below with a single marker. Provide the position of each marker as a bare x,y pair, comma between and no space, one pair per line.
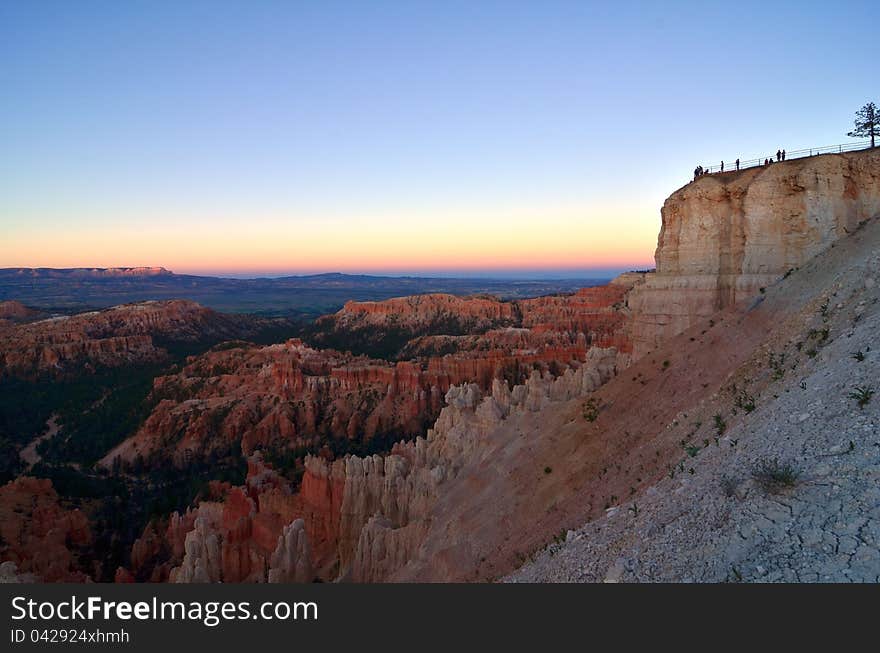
867,122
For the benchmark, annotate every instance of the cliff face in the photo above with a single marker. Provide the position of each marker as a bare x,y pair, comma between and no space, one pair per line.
419,311
724,237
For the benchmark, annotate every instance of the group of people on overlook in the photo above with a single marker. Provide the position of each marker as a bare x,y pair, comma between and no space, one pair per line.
699,171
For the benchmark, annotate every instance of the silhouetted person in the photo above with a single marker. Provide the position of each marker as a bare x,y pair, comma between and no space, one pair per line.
722,166
779,155
737,164
766,161
696,172
783,155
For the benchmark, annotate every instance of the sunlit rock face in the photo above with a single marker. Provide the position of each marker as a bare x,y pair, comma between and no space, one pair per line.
724,237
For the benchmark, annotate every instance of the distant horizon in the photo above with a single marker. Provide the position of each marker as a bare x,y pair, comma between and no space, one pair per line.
507,275
521,274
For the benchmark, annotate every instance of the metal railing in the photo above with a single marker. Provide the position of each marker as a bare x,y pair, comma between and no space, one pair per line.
730,166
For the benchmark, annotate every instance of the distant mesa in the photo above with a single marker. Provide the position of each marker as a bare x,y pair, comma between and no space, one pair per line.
88,273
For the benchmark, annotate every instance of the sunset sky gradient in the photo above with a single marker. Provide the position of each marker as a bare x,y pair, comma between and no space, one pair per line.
397,137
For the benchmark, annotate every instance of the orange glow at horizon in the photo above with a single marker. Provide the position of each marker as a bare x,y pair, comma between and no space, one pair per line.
519,240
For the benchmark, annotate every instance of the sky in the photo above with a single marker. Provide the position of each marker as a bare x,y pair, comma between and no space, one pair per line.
492,138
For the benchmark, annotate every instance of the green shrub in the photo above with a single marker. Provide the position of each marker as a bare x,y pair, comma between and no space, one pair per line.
773,476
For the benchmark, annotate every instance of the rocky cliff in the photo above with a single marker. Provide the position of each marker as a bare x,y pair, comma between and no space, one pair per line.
724,237
282,397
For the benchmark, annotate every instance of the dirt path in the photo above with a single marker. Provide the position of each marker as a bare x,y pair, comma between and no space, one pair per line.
29,454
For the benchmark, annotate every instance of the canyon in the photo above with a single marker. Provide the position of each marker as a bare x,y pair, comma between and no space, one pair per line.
446,438
291,396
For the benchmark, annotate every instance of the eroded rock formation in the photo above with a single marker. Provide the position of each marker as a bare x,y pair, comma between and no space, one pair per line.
387,503
354,518
724,237
440,324
236,534
122,335
40,537
290,396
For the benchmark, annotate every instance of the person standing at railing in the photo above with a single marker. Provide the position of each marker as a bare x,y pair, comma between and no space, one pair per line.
783,155
737,164
779,155
722,166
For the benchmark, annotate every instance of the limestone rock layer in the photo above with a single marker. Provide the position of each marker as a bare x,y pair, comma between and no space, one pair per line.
726,236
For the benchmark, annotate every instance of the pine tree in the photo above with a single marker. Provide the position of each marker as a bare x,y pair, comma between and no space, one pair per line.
867,122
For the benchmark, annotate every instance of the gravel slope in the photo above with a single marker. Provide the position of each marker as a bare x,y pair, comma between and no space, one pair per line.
711,519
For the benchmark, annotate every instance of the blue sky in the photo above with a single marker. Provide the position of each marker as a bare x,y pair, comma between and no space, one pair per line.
397,136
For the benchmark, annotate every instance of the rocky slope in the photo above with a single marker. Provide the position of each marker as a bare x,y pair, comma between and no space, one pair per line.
385,512
724,237
785,487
